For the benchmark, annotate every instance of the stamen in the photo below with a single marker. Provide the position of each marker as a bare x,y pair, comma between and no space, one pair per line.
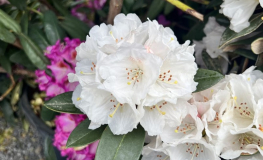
163,113
81,72
78,98
113,37
111,115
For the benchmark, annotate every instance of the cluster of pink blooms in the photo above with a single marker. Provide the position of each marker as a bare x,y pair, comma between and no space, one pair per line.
92,5
65,124
62,58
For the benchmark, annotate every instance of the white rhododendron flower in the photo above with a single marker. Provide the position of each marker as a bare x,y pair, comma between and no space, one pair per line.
233,144
239,12
191,149
211,43
126,71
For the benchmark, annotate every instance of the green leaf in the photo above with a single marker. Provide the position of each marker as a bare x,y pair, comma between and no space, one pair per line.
168,8
52,29
24,23
49,151
58,4
155,8
5,35
47,114
3,46
230,35
20,57
206,79
211,63
75,27
246,53
20,4
82,136
214,3
8,22
259,61
128,4
8,112
5,63
192,34
138,4
120,147
38,36
62,103
33,52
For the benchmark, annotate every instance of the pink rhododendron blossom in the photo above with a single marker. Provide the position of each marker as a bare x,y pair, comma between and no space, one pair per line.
62,56
2,2
65,124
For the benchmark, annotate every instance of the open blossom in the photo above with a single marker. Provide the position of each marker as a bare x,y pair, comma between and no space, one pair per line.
65,124
62,57
210,43
125,68
239,12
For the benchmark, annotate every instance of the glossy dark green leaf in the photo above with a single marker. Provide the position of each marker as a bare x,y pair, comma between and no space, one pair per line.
21,58
38,36
33,52
3,46
52,29
59,5
138,4
206,79
75,27
49,151
259,61
128,4
168,8
120,147
214,3
20,4
82,136
47,114
155,8
5,63
6,108
211,63
230,35
62,103
24,23
246,53
8,22
5,35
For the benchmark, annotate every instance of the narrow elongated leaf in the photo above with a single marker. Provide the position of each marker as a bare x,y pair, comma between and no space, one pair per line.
120,147
155,8
211,63
38,36
75,27
47,114
62,103
246,53
34,53
49,151
52,29
58,4
206,79
8,22
24,23
82,136
230,35
5,63
5,35
168,8
21,58
3,46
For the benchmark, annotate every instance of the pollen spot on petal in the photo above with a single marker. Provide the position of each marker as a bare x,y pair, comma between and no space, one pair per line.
235,98
176,131
248,79
175,82
78,98
129,83
220,121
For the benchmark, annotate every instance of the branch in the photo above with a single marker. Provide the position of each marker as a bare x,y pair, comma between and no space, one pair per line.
9,89
21,72
186,9
115,8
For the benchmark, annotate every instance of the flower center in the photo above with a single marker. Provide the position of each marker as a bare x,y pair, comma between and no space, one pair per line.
246,139
91,68
194,149
166,77
184,127
243,110
158,108
216,121
134,75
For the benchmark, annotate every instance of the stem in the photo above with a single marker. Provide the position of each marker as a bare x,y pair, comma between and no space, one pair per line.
35,11
22,72
9,89
186,9
115,8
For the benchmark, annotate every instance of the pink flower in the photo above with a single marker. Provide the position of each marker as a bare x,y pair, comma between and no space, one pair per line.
63,61
65,124
2,2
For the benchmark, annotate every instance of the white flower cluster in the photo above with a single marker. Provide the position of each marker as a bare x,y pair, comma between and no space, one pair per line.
229,123
133,72
239,12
